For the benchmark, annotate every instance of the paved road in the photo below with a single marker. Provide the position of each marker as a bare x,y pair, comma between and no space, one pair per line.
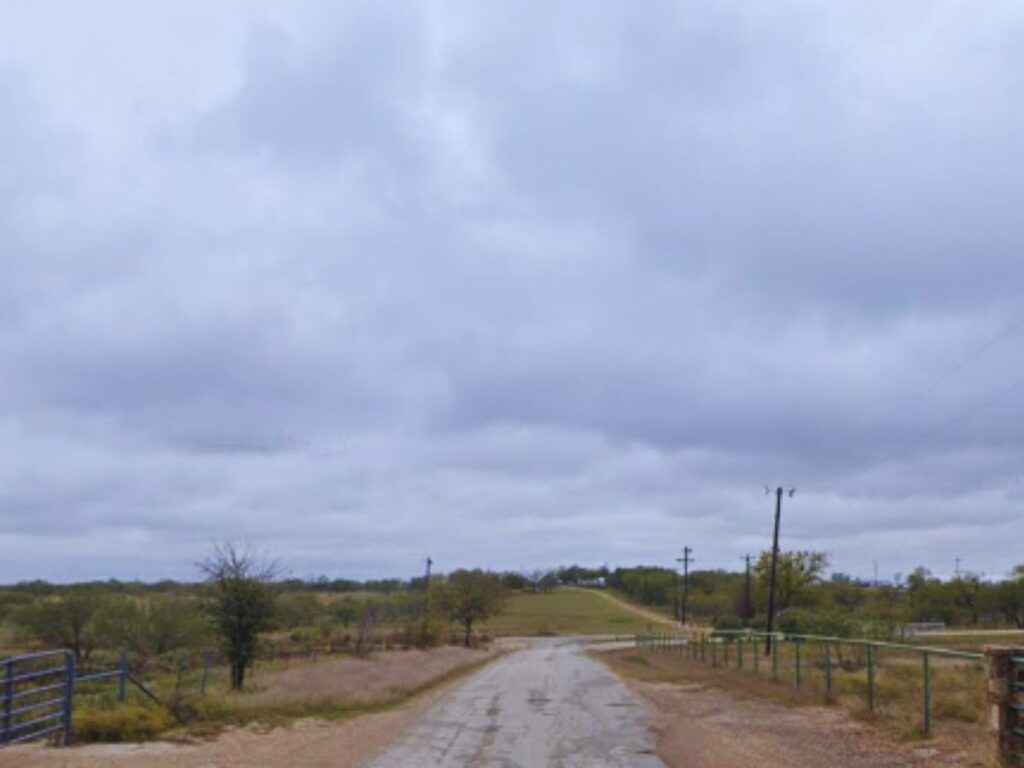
546,705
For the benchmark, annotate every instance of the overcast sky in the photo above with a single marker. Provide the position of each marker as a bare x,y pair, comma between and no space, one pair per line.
511,284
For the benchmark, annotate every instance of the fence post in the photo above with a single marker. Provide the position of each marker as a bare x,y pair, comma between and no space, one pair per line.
871,678
8,693
714,654
69,694
1003,719
725,651
122,677
739,653
828,668
756,654
927,695
774,641
702,647
796,647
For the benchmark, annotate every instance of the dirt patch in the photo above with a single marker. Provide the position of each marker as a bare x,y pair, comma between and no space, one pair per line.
701,721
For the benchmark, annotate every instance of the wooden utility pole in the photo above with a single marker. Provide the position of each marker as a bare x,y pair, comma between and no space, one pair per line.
426,588
675,595
775,558
685,560
747,608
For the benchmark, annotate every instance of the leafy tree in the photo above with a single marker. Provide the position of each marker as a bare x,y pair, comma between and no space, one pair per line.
472,596
240,603
847,595
1008,597
969,594
174,623
121,623
796,574
297,609
346,609
66,620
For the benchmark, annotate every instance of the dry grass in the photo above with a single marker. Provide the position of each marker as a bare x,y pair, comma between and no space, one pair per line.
351,682
276,694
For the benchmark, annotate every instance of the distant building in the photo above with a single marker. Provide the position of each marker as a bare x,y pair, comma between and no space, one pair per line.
924,627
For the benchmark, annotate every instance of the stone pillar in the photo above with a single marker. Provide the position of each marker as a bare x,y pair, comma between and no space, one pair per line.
1002,718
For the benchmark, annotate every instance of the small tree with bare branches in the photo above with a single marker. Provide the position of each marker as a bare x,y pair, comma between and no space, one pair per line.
240,603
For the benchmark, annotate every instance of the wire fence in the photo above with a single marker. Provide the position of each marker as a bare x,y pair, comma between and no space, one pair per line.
891,677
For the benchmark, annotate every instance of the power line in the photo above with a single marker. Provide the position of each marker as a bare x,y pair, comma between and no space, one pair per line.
1019,322
956,418
1016,324
974,409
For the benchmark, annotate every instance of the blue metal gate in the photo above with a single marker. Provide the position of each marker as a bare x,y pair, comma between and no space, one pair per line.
36,692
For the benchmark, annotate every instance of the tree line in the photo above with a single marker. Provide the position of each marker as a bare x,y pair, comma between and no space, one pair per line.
812,602
243,608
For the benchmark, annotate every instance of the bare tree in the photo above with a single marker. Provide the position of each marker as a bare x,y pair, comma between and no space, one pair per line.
240,603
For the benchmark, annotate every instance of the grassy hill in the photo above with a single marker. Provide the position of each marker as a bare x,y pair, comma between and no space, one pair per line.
564,612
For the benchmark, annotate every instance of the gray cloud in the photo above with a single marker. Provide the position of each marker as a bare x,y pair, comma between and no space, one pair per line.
515,286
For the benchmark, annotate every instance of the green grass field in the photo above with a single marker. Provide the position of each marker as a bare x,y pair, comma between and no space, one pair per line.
967,640
563,612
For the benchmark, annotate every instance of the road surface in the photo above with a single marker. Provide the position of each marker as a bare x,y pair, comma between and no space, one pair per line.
547,704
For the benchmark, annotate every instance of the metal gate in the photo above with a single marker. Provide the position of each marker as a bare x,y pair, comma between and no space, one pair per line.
36,692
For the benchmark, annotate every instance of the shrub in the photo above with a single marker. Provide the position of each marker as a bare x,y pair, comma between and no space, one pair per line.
956,706
424,633
123,722
798,621
729,623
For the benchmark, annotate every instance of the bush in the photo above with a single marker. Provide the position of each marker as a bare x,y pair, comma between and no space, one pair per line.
429,633
798,621
122,722
729,623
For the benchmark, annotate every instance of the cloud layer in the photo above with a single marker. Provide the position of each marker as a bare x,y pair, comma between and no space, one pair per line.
512,286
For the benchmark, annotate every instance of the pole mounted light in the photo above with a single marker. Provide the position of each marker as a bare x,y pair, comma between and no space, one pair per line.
775,559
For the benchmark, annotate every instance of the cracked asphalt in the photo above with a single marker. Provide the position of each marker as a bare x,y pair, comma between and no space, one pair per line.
547,704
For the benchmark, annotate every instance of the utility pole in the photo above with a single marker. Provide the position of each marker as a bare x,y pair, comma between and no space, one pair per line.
685,560
747,612
775,559
426,587
675,595
956,571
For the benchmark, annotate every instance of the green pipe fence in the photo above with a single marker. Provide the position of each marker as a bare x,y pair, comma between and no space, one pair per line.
809,651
